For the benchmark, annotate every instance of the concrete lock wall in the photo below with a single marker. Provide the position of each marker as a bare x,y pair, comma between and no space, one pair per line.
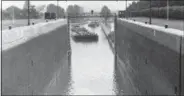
28,67
150,56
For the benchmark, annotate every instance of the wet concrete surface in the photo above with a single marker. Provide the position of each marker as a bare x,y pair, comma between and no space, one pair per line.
91,71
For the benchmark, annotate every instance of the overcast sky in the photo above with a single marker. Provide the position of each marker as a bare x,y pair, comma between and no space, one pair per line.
88,5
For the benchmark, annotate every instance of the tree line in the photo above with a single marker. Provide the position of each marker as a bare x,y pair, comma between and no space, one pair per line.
159,8
14,12
145,4
74,10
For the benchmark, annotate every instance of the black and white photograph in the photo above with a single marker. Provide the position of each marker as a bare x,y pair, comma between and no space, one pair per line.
92,47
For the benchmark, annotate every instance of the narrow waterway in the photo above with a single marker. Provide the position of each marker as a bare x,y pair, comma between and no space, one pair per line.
91,70
92,67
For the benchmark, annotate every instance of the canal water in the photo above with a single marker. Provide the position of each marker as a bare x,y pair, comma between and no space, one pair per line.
92,67
91,70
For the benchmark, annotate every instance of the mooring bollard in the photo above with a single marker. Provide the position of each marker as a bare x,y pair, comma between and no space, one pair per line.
166,26
175,90
145,22
33,23
146,93
9,27
146,61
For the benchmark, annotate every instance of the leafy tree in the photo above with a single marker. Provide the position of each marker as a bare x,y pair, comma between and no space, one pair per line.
92,11
25,5
70,10
40,9
105,12
5,15
13,12
56,9
141,8
142,4
32,11
74,10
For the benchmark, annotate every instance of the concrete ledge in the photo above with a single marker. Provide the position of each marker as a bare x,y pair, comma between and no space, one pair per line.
104,29
167,37
19,35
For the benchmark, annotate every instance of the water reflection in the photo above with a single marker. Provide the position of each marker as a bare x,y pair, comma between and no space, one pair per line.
92,67
90,70
61,79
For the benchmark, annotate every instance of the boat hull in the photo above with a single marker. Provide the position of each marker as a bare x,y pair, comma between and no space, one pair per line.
85,38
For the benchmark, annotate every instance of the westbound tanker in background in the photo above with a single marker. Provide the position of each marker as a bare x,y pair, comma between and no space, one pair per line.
49,15
121,14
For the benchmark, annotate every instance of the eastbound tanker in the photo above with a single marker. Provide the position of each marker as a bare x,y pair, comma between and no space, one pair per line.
82,34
